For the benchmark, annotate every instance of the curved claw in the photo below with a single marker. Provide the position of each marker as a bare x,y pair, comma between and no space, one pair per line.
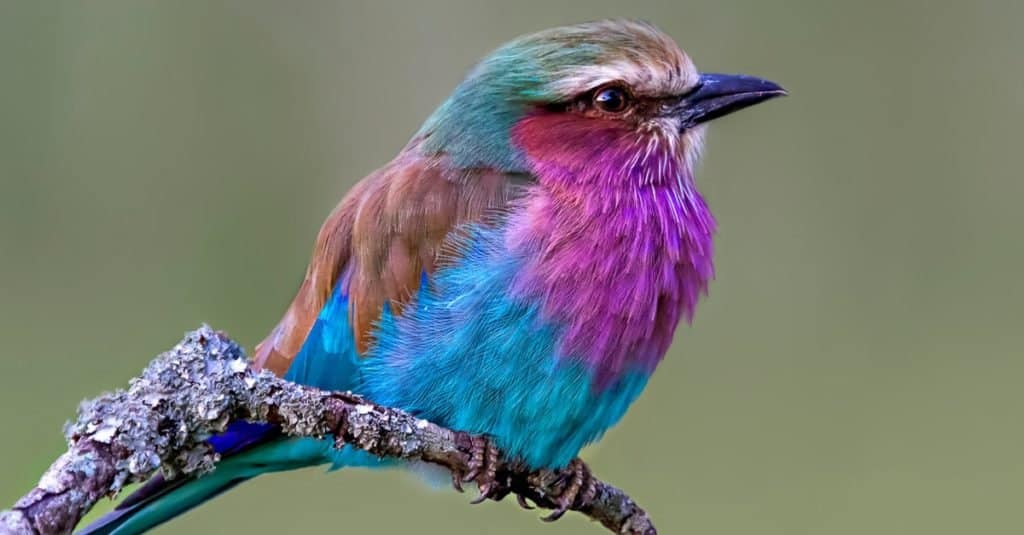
521,500
480,498
457,482
579,491
555,515
499,490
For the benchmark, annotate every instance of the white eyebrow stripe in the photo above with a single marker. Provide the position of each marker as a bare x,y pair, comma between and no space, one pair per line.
652,77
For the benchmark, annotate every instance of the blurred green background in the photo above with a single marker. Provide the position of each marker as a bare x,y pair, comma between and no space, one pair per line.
856,369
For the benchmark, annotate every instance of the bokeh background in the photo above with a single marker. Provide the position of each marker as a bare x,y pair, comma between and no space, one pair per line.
856,369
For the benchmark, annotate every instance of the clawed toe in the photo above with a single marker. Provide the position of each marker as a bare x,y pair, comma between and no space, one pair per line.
457,480
579,490
483,469
577,485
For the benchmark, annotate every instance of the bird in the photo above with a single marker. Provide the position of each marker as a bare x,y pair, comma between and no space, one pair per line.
516,272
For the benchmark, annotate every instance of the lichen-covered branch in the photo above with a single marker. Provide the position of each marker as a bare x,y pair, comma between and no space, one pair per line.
165,416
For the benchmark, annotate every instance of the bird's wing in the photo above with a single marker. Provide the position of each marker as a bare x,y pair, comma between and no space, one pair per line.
380,241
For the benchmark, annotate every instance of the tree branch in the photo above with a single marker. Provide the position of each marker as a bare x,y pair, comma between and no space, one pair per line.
192,391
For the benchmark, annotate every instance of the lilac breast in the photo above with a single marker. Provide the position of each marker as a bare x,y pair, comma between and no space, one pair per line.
617,239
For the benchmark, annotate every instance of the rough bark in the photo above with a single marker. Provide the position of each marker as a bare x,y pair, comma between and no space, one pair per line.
192,391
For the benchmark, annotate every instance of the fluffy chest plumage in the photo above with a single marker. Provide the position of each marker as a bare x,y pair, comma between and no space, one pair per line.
543,327
618,240
618,278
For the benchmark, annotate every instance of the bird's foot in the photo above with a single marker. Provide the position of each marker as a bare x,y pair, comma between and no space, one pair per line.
578,489
482,468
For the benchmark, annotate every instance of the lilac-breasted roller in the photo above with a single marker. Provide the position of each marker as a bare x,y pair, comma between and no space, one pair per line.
516,272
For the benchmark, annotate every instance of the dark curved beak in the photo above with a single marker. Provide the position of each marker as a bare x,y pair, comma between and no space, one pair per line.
721,94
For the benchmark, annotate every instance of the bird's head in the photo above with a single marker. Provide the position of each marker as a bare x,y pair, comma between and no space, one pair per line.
581,96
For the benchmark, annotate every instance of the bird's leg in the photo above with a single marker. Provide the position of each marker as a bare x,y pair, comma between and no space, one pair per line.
578,489
483,464
495,482
482,468
475,445
481,453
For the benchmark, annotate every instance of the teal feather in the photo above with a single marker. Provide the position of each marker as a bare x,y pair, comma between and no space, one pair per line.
329,359
472,126
468,356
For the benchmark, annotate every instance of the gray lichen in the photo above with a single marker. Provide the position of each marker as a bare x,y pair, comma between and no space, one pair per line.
187,394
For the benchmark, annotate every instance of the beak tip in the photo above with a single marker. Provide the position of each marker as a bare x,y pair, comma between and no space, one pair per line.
721,94
770,88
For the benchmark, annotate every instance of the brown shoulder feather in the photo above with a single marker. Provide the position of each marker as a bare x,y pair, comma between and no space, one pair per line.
384,234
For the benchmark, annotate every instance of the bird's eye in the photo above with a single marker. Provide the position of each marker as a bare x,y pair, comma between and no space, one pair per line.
612,99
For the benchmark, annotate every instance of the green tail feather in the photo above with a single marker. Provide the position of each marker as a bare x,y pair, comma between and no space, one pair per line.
167,499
